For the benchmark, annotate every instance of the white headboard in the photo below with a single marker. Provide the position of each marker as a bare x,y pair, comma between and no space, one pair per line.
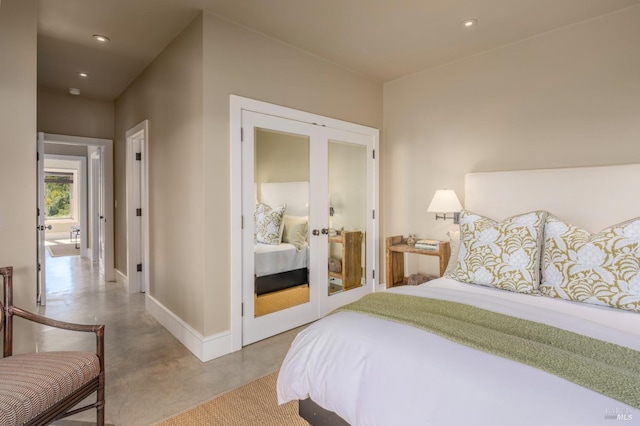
590,197
294,194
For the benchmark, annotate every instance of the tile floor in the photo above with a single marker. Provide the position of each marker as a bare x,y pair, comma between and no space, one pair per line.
149,374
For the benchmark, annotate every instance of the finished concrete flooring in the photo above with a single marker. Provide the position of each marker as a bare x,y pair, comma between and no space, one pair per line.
149,374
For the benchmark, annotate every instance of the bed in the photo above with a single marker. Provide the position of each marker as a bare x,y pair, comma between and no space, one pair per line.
364,369
283,263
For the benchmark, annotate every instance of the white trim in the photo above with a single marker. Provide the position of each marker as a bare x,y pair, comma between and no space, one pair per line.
237,105
54,161
107,145
137,189
122,279
205,348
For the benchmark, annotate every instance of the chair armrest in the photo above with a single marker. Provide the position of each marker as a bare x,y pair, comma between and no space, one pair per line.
93,328
98,329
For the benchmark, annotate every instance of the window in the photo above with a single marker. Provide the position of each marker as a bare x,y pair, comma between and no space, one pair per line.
59,194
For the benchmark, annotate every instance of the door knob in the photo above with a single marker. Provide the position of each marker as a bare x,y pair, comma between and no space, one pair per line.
315,232
325,231
42,227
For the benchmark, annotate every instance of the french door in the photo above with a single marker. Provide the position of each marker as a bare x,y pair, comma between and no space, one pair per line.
322,181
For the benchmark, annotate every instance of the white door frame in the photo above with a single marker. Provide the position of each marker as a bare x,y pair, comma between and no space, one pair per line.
41,264
62,161
238,104
94,156
107,150
137,197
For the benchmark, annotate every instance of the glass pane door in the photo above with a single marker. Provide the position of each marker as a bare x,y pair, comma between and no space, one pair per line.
278,288
350,224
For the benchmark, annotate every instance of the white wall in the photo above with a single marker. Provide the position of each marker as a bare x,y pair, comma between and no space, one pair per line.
18,27
564,98
245,63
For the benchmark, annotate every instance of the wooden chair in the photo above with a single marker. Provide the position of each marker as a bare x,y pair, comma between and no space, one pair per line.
39,388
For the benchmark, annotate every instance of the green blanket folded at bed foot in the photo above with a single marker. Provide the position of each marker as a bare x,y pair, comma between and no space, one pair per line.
607,368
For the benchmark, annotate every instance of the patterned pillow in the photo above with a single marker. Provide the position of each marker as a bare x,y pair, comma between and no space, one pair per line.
454,243
504,255
602,269
269,224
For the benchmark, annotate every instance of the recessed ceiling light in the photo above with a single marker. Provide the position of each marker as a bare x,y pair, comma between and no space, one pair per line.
101,38
74,91
469,23
83,74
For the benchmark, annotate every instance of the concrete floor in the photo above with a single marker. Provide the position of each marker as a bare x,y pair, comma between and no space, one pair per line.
149,374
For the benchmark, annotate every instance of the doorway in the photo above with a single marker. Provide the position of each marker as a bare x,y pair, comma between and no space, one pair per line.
96,225
308,182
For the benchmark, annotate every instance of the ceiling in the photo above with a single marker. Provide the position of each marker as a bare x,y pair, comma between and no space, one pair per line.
380,39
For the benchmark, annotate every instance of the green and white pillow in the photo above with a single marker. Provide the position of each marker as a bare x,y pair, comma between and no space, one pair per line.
269,224
602,269
504,255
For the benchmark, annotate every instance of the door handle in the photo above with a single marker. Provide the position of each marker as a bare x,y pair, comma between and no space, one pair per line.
315,232
42,227
325,231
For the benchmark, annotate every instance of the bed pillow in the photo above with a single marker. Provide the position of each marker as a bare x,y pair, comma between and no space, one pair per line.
454,244
602,269
504,255
295,230
269,222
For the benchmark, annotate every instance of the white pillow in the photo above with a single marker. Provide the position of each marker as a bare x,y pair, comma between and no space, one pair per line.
295,230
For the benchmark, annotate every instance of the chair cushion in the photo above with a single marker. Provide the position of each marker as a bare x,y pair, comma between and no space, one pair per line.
32,383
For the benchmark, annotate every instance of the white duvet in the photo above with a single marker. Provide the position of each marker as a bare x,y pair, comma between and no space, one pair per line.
376,372
273,259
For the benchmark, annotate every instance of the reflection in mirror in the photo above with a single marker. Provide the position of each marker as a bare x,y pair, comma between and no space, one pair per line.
281,249
347,215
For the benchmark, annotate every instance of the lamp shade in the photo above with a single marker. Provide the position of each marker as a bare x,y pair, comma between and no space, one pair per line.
445,201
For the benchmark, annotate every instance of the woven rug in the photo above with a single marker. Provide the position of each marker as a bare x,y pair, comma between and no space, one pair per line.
59,250
279,300
254,404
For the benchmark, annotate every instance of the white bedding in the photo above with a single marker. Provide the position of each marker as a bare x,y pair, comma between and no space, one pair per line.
273,259
375,372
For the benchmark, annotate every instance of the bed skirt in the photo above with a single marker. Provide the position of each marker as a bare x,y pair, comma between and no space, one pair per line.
275,282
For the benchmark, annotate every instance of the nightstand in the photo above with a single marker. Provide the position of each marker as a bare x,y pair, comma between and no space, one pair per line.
397,246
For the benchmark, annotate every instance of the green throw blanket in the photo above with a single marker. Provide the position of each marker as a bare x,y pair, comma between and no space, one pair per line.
604,367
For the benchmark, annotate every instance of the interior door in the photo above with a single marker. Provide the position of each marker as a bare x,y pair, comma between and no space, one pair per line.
351,237
41,291
278,150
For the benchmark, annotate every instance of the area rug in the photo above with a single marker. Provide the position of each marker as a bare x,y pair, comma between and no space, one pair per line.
59,250
279,300
250,405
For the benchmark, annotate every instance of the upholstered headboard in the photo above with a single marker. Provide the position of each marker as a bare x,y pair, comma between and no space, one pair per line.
589,197
294,194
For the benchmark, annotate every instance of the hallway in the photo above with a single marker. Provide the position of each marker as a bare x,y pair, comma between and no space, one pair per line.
149,374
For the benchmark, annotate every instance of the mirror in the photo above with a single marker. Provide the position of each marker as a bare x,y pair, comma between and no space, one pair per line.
281,248
347,216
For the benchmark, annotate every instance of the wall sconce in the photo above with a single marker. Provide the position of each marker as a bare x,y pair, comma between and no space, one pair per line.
445,201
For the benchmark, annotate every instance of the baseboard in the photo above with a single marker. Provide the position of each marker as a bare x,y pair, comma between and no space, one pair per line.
205,348
122,279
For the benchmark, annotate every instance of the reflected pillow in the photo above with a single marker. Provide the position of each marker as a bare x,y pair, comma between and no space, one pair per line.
504,255
454,243
268,224
601,269
295,230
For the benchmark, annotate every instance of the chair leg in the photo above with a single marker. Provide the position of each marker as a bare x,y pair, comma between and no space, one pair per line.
100,403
